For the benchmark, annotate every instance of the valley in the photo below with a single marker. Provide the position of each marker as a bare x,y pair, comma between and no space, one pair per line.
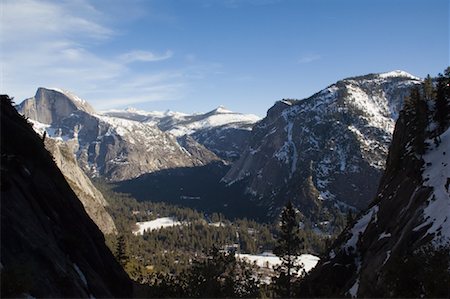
176,194
224,149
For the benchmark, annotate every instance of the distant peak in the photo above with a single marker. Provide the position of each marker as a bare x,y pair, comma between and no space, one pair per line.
79,102
222,109
131,109
397,73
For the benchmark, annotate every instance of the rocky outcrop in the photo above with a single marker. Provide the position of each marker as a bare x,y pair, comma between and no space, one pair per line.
400,246
334,143
53,105
92,199
114,148
49,245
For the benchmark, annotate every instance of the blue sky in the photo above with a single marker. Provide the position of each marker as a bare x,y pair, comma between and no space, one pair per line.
194,55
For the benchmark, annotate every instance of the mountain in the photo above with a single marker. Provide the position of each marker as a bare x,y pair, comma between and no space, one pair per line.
326,151
222,131
400,245
49,245
114,148
92,199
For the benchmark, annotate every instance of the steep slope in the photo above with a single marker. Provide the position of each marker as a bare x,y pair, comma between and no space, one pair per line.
400,246
115,148
92,199
222,131
327,150
49,245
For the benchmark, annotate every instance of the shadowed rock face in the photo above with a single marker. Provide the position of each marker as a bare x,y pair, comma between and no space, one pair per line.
328,149
114,148
49,245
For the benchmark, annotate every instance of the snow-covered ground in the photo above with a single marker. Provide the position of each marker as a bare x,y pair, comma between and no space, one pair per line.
155,224
216,118
437,175
269,260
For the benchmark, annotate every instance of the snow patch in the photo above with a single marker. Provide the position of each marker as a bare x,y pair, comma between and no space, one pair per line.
360,226
82,277
384,235
69,94
155,225
437,175
354,289
269,260
397,73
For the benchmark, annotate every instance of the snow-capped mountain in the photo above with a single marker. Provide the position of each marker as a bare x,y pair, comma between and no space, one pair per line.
329,149
115,148
222,131
399,246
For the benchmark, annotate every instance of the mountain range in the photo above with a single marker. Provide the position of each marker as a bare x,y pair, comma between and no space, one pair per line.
335,151
324,153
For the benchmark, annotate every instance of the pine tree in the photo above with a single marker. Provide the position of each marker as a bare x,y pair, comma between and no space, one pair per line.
121,251
442,107
288,247
428,90
350,218
419,109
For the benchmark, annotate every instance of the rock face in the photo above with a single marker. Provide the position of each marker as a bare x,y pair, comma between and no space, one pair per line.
327,150
400,246
92,200
53,105
114,148
50,247
221,131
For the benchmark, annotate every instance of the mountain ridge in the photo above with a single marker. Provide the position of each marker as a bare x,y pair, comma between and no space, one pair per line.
337,139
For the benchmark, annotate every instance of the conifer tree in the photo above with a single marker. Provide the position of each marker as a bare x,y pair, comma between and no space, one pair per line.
288,247
121,251
419,109
442,107
428,90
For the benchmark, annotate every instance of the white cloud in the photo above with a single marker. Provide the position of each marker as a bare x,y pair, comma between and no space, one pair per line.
146,56
308,58
52,44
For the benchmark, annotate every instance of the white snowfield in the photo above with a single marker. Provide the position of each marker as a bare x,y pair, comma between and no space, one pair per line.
69,94
398,73
436,174
269,260
219,117
180,124
155,225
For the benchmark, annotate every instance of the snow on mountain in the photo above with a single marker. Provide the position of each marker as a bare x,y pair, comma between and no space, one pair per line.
70,95
116,148
397,73
326,150
222,131
219,118
436,174
399,246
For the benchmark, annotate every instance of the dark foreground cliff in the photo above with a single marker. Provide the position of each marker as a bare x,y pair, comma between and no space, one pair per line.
49,245
400,246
